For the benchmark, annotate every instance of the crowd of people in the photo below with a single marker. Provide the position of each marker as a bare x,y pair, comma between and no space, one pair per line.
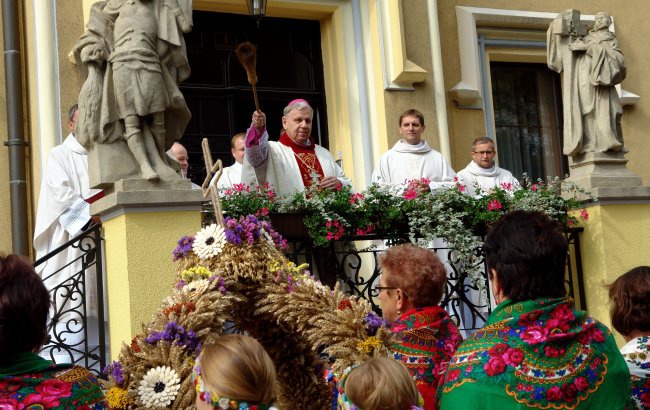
536,349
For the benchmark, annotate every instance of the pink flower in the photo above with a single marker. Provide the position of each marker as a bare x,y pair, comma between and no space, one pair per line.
265,211
530,317
53,387
534,187
554,394
513,356
356,198
37,400
461,187
506,185
498,349
582,383
494,205
494,366
410,194
8,403
584,215
241,188
563,313
534,334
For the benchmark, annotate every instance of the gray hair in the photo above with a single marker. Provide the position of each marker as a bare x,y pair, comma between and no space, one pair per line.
297,105
72,110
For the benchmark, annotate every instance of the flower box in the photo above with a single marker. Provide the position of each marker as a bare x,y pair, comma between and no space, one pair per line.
290,225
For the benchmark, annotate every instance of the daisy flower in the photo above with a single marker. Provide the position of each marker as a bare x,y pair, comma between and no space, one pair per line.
209,241
159,387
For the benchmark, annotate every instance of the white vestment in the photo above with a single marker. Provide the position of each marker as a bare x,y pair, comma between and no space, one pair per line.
406,162
231,175
473,177
62,213
276,163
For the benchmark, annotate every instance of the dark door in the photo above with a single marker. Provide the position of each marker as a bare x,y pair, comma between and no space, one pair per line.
289,66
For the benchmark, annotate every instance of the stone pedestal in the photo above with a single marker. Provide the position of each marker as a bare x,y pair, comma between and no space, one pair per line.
142,224
607,177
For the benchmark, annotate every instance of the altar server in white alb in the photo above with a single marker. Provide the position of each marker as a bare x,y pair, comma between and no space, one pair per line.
482,174
232,175
411,158
64,212
295,161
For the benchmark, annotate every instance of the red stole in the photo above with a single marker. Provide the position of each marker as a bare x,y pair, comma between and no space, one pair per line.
306,158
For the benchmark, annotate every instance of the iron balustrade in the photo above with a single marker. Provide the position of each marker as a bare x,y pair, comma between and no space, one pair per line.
69,326
357,271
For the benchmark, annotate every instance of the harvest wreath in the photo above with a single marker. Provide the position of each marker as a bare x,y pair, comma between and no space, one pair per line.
236,272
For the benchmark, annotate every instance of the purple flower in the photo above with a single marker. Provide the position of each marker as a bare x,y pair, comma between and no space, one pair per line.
115,369
183,248
178,335
373,323
249,228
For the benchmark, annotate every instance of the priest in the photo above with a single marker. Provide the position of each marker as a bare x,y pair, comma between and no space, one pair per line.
481,175
295,162
63,213
411,159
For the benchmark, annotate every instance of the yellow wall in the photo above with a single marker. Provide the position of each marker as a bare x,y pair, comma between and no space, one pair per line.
139,267
614,241
5,204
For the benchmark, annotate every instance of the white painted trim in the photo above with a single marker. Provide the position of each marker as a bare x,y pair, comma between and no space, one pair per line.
439,95
46,66
400,73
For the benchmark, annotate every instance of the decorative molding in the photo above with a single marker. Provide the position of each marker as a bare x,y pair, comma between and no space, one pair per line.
400,73
468,92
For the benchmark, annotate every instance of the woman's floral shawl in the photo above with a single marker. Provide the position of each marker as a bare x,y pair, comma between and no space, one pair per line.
426,338
637,356
537,354
49,386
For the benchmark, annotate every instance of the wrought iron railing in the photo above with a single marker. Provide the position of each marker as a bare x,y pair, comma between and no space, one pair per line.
357,271
76,329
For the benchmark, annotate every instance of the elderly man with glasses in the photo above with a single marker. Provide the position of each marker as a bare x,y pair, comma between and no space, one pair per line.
482,174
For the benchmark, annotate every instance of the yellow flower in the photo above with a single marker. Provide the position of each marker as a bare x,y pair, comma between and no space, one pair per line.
369,345
118,398
195,273
274,266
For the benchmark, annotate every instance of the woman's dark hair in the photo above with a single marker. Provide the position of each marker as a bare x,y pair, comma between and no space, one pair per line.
417,271
24,305
630,297
528,250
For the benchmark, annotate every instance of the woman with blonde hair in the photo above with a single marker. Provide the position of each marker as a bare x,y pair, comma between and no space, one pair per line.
234,372
381,383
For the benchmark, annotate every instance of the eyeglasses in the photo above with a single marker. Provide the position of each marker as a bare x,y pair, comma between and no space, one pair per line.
484,152
378,288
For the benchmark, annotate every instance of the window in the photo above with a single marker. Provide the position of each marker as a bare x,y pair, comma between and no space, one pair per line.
528,119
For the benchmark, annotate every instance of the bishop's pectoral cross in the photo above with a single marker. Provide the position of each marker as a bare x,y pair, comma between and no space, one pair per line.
314,177
209,186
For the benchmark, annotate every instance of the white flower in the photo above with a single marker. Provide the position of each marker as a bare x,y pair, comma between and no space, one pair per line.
198,286
209,241
159,387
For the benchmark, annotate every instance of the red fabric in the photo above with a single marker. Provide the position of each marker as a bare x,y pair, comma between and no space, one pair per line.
98,195
309,161
425,340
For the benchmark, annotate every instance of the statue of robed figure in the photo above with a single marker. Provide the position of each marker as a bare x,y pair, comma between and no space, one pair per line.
591,64
130,108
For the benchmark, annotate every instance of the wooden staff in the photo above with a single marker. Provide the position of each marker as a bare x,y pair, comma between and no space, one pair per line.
247,55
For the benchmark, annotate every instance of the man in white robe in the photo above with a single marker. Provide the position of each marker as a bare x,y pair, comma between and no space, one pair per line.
481,175
232,175
411,158
63,213
295,161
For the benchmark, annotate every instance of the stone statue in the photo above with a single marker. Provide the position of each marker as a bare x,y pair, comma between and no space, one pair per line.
592,65
130,108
